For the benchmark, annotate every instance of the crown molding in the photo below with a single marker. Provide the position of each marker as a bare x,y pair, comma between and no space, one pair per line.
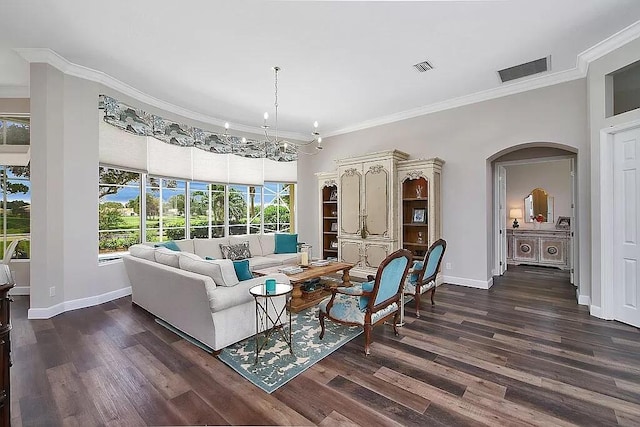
486,95
48,56
608,45
14,91
584,58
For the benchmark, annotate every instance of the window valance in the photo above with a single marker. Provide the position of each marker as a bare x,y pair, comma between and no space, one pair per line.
132,139
139,122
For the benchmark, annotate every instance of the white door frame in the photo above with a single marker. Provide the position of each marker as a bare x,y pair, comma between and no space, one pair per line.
500,265
496,207
606,309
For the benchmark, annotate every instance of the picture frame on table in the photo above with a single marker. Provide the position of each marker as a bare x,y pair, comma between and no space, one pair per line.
419,215
563,223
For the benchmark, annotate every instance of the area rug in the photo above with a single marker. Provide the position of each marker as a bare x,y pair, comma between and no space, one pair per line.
276,365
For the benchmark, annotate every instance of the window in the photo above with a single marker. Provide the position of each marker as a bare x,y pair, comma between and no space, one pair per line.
14,130
206,215
16,208
119,222
623,90
172,206
277,207
165,219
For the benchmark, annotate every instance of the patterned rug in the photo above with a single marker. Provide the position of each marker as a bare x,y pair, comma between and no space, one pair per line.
276,365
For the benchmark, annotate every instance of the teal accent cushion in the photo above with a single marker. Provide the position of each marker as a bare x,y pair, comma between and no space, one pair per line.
368,287
242,269
286,243
169,244
209,258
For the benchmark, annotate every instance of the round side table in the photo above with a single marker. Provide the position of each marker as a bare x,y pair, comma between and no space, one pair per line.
268,318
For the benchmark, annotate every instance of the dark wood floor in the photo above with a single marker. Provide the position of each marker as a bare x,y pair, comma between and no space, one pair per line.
521,353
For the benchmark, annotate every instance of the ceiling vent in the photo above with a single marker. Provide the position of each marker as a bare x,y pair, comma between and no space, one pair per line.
524,70
423,66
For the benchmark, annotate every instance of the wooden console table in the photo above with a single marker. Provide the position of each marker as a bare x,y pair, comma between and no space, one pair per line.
297,301
549,248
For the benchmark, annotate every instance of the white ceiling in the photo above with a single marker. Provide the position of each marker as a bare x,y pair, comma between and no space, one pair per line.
344,63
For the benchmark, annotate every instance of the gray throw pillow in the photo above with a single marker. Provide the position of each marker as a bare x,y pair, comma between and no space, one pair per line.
236,252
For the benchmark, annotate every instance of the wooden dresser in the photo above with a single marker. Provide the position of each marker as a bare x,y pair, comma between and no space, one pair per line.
5,355
548,248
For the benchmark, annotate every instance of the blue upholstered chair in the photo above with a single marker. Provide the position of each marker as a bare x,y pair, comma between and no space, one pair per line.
372,302
422,276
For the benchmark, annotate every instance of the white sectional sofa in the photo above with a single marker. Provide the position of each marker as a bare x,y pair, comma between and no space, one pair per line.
203,299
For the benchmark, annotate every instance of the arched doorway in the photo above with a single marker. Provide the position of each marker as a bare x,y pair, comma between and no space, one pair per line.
548,168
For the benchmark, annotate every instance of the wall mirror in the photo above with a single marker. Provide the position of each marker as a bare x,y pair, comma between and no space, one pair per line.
538,202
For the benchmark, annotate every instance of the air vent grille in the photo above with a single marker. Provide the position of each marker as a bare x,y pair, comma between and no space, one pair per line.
524,70
423,66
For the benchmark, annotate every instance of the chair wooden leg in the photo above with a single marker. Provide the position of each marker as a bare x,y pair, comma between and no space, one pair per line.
417,298
396,320
367,339
433,292
321,317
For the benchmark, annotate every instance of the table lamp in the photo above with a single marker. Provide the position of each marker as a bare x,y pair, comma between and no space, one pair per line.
515,214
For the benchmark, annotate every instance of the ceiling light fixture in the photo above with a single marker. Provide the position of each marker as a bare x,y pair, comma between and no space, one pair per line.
273,146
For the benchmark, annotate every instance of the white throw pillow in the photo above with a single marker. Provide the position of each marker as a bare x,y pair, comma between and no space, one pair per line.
143,251
220,270
254,242
168,257
268,244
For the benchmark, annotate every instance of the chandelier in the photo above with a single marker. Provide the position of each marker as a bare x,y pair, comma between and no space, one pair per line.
272,145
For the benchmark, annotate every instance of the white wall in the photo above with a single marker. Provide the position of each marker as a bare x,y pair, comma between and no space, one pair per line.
468,138
598,69
552,176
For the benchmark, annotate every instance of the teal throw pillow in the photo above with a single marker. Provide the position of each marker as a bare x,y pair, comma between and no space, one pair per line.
242,269
286,243
170,244
209,258
366,286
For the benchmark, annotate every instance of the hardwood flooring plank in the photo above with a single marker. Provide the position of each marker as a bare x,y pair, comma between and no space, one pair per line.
336,419
196,411
167,382
70,396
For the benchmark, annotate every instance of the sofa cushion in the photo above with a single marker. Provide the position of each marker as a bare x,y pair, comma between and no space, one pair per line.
254,242
236,252
185,245
286,243
168,257
242,270
268,243
190,256
224,298
169,244
209,247
143,251
221,270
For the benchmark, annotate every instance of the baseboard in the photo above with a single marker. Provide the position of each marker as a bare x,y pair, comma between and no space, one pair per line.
584,300
20,290
49,312
596,311
471,283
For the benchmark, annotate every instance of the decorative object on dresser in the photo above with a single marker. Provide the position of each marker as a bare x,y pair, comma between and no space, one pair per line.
515,214
563,223
548,248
